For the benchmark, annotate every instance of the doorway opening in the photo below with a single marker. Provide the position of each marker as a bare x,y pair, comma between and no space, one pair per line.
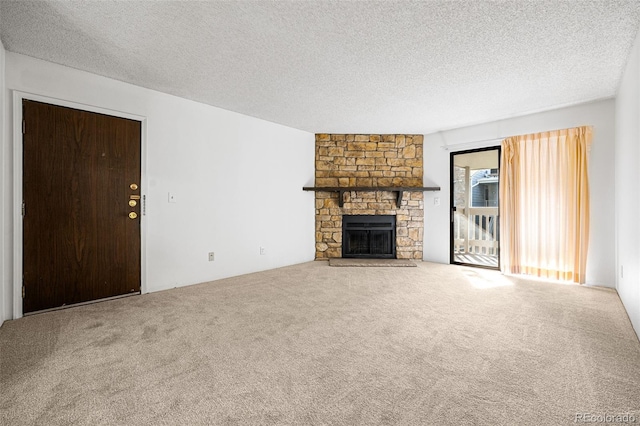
475,214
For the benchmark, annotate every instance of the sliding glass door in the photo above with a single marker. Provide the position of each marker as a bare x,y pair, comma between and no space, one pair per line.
475,220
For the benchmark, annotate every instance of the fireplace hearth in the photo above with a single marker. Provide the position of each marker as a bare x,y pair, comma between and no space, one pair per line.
369,236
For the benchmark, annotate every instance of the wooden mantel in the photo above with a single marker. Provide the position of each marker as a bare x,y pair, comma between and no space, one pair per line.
342,190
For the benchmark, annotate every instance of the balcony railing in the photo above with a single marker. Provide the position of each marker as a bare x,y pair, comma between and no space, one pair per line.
476,231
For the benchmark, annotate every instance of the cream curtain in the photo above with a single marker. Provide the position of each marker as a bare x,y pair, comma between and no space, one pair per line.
544,204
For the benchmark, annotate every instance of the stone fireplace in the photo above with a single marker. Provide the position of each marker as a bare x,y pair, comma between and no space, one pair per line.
369,175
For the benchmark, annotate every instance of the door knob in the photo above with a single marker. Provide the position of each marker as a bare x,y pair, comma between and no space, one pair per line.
133,186
133,215
132,203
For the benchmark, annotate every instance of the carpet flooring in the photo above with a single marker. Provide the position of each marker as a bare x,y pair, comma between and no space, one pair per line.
310,344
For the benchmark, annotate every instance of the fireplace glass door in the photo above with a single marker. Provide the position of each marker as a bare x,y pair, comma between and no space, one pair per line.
365,236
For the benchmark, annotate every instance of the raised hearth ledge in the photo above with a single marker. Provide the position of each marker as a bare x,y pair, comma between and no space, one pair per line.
372,262
343,189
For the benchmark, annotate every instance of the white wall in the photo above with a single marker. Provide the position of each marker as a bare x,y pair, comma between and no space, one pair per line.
238,180
601,257
627,176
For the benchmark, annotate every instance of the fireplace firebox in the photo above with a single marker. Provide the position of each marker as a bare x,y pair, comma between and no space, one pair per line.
369,236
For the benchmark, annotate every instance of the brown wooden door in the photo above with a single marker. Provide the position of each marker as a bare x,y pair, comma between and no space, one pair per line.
79,243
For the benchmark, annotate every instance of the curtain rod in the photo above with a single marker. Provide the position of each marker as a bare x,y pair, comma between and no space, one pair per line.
446,146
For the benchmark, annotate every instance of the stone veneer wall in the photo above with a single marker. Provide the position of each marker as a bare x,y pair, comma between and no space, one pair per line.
372,161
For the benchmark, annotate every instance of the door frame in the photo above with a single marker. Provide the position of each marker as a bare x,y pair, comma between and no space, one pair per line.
18,97
451,201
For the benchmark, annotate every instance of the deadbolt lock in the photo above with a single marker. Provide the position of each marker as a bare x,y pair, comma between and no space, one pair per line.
133,215
133,186
132,203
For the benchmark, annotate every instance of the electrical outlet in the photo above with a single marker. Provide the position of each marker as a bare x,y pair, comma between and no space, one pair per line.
263,250
172,197
211,257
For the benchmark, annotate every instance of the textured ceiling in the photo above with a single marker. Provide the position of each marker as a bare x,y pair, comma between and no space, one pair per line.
343,66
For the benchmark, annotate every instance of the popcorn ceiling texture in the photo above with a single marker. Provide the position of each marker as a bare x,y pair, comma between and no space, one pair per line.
369,161
343,67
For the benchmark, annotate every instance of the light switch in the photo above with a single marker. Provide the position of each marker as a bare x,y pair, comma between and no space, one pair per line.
436,201
172,197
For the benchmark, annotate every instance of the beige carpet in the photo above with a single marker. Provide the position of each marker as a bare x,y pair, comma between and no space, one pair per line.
372,262
311,344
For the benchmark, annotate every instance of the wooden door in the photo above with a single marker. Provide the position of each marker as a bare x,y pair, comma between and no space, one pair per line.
80,172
